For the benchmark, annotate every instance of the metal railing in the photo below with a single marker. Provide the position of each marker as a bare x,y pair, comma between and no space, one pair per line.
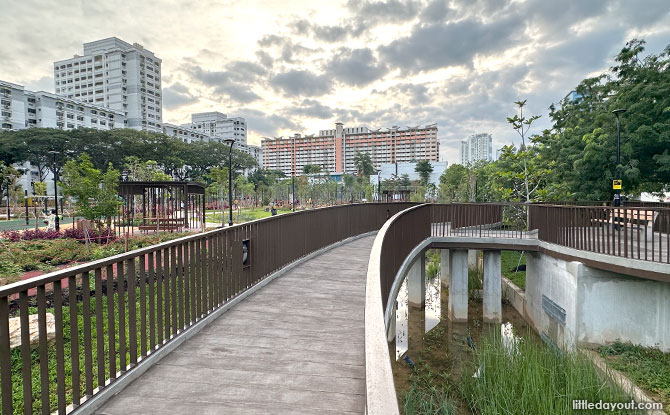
631,232
110,314
479,220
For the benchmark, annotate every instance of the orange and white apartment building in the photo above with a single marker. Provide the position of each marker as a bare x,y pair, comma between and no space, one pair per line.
334,150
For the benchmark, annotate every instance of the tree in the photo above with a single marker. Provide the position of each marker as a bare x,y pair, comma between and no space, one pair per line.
311,168
8,176
424,168
144,171
96,193
364,166
521,125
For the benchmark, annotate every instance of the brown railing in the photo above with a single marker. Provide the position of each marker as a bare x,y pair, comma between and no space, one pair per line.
629,232
479,220
111,314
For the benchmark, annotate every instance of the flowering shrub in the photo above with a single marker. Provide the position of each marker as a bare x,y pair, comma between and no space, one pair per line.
101,237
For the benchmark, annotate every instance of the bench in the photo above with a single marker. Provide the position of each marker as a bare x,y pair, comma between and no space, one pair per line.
640,218
162,224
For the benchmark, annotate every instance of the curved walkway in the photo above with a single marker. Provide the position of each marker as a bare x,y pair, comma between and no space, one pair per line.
294,347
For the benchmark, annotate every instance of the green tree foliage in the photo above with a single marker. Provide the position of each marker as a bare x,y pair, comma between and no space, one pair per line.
364,166
311,168
583,139
95,192
144,171
179,160
424,168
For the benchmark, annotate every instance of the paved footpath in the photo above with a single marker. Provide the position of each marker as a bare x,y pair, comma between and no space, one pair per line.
294,347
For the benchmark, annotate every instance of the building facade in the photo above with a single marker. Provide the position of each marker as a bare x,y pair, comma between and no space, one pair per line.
23,109
334,150
219,126
476,147
115,74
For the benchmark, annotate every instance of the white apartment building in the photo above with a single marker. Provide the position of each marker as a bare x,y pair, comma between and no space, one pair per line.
23,109
118,75
191,135
219,126
477,147
187,135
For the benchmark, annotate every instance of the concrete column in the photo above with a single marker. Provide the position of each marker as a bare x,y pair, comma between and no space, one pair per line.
492,287
444,267
390,333
416,282
458,287
472,258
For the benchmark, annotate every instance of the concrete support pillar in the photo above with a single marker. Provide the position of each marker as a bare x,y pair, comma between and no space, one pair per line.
492,287
472,258
444,267
390,333
416,282
458,287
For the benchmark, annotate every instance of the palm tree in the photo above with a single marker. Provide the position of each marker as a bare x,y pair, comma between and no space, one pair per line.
364,165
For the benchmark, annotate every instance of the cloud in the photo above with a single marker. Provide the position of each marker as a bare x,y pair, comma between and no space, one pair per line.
267,125
312,109
177,95
436,11
235,82
376,12
447,44
301,82
356,67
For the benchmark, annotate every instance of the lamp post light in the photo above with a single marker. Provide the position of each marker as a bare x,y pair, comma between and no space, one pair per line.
293,189
617,192
55,173
379,185
230,142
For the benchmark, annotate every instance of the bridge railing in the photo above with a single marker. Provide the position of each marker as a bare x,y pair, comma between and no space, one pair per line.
641,232
479,219
107,316
394,242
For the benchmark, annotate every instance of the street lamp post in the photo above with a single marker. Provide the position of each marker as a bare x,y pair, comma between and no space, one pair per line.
617,192
293,189
55,173
230,142
379,185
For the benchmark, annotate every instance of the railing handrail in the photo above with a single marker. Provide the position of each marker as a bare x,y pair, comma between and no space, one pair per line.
130,305
13,288
379,386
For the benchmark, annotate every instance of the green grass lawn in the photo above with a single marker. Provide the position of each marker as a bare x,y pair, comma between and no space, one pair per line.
245,215
509,261
648,368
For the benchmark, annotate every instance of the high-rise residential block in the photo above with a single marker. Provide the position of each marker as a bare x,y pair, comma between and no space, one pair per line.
219,126
476,147
118,75
334,150
21,109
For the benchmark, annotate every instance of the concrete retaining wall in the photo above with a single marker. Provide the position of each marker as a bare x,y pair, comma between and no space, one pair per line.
575,305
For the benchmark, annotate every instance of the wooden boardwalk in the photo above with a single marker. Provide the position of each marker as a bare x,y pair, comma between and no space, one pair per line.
294,347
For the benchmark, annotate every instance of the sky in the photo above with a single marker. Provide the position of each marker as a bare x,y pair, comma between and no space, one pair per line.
300,66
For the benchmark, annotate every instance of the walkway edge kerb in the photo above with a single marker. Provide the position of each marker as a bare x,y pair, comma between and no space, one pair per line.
99,399
380,396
